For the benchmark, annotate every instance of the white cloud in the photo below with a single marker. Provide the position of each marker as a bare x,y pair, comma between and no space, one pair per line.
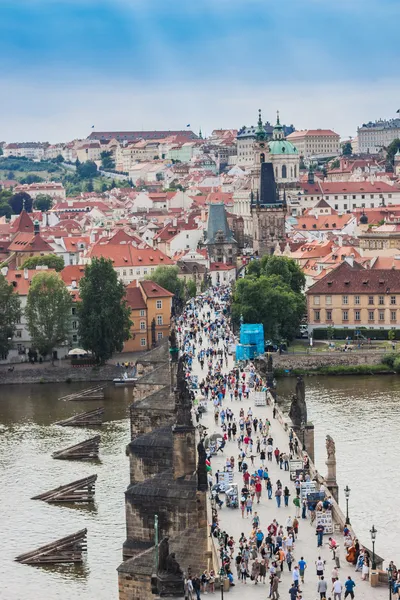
57,113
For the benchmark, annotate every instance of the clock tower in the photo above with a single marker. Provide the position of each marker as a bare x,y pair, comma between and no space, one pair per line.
267,208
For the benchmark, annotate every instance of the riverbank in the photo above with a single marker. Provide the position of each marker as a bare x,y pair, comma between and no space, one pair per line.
379,369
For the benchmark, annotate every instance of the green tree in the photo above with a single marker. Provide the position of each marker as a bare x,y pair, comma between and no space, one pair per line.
51,260
89,186
391,335
19,201
5,210
168,278
270,301
284,267
43,202
335,164
103,186
86,170
390,153
10,175
190,289
104,321
31,178
107,161
48,312
59,159
10,314
347,149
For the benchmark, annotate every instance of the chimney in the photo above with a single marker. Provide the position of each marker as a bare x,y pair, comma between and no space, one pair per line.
26,273
36,227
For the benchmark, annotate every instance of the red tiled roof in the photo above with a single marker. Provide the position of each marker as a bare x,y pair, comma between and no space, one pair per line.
72,273
348,187
153,290
311,132
20,282
218,266
28,242
322,223
23,223
134,298
356,280
126,255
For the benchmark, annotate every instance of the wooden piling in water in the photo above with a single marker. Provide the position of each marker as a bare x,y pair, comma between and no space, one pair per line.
81,490
82,451
68,549
91,418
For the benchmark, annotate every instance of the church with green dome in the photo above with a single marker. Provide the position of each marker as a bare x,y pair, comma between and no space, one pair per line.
284,156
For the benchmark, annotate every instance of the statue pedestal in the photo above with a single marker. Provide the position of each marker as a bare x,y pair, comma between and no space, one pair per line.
331,477
167,585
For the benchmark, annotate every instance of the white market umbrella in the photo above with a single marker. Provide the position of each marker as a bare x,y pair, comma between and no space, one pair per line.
76,352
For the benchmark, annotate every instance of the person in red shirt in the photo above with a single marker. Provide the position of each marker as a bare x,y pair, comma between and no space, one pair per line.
258,489
246,478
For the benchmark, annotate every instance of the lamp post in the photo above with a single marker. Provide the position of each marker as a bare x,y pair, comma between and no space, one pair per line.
221,580
373,533
390,580
347,496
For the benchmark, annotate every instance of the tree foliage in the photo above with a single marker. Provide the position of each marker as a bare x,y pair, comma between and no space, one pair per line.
31,178
347,149
168,278
10,314
86,170
19,201
5,208
390,154
48,312
107,161
271,293
43,202
104,315
51,260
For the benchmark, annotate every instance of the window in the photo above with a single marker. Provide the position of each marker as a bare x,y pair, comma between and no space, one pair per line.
18,333
371,316
142,312
137,271
316,315
328,299
284,171
381,300
142,324
160,335
345,299
124,273
159,303
74,325
381,315
357,314
356,299
370,299
159,320
144,271
345,315
329,315
73,310
317,300
336,206
130,271
74,337
392,315
392,299
142,341
345,206
345,197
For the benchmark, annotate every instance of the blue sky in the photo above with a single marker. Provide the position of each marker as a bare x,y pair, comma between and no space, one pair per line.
131,64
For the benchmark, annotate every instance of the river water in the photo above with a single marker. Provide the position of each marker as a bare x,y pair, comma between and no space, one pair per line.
362,414
27,439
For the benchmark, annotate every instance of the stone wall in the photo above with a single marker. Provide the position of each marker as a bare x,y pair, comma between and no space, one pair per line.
57,374
141,390
325,359
134,586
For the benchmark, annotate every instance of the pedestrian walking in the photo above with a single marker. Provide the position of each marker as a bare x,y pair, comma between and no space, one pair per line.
322,588
349,587
302,566
337,590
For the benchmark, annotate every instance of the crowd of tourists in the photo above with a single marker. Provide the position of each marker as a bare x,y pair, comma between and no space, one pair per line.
265,550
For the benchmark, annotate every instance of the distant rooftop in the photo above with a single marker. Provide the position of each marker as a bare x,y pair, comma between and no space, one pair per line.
130,136
251,131
382,124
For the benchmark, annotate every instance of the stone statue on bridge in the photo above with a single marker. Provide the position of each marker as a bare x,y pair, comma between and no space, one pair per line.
168,580
298,408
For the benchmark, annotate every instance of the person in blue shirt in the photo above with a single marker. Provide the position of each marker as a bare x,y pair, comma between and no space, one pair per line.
349,587
302,567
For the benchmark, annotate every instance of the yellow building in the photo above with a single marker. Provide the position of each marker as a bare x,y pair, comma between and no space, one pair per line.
150,306
350,297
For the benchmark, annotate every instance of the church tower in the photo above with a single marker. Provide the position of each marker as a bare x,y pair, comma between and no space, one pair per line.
267,208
